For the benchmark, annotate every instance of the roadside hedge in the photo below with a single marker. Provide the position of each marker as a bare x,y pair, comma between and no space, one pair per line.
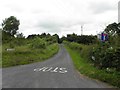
108,58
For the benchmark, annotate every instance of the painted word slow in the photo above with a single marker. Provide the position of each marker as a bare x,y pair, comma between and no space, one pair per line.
51,69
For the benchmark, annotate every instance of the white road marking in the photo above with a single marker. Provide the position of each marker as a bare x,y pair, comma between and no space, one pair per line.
39,69
55,70
45,69
62,70
51,69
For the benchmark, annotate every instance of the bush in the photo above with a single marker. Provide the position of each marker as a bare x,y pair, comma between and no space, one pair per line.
107,57
50,40
75,46
84,50
102,56
38,43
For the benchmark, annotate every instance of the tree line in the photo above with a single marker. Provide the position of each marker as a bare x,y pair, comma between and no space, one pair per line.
81,39
10,27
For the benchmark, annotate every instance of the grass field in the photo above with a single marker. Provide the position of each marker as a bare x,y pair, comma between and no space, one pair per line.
89,70
25,55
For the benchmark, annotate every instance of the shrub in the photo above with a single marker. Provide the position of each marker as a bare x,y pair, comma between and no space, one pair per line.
107,57
38,43
50,40
75,46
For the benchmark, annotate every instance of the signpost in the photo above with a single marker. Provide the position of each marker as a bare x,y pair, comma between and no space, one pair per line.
103,36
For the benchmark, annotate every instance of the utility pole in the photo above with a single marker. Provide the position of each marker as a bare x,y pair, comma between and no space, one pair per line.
81,30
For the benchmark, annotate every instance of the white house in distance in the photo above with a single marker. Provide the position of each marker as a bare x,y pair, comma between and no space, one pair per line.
119,12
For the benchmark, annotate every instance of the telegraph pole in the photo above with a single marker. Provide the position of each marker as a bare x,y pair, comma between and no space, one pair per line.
81,30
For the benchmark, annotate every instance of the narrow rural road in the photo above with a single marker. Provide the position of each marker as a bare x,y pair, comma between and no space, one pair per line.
56,72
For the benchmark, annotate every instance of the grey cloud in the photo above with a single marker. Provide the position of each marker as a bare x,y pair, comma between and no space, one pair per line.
101,7
57,24
50,25
57,27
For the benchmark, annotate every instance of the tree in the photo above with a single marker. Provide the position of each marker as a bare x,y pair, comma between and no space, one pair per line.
32,36
20,35
84,39
11,25
113,29
57,38
118,30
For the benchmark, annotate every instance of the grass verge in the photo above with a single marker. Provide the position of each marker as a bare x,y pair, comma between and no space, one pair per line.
89,70
24,55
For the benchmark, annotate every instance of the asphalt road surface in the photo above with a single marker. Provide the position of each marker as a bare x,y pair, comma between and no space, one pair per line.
56,72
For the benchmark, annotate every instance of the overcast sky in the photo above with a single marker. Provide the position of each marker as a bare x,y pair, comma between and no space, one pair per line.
60,16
